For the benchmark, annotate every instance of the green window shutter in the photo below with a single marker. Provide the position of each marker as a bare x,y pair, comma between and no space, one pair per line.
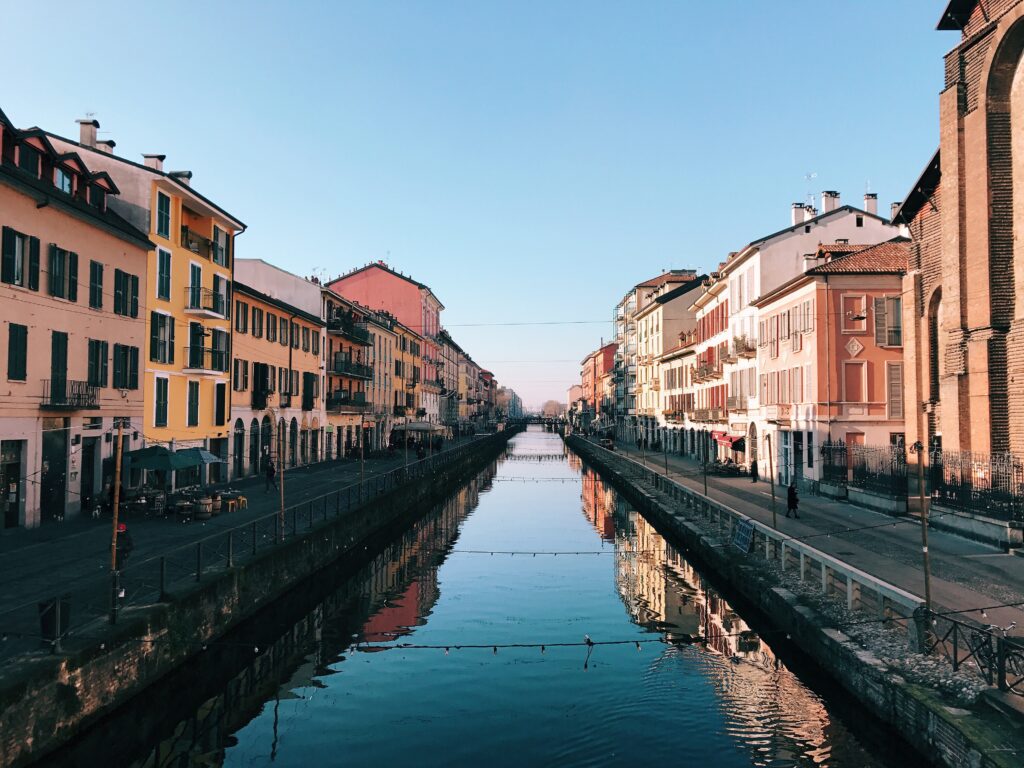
55,272
133,367
154,337
17,351
92,372
7,270
33,263
118,367
103,364
73,276
118,292
134,296
170,340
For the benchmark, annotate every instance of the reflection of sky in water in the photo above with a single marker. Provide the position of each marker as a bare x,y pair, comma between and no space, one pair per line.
727,704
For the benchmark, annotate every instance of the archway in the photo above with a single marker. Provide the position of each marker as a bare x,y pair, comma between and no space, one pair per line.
238,465
314,440
752,443
266,439
293,443
304,442
254,447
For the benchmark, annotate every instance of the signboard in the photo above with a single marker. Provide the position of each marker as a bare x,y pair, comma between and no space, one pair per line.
742,535
330,429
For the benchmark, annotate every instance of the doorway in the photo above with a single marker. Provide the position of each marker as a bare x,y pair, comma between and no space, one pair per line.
10,482
90,470
54,476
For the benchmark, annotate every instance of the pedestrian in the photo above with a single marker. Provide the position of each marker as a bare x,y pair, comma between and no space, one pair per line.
270,475
123,546
792,501
753,471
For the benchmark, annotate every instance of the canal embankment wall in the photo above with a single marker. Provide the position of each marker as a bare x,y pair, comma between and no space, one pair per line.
46,700
943,733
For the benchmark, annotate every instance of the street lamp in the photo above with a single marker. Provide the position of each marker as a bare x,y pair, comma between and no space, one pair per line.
918,450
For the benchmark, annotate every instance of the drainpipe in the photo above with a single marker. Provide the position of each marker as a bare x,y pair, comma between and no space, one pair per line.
231,354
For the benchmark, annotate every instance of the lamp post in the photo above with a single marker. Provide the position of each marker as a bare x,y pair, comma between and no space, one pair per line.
918,449
771,471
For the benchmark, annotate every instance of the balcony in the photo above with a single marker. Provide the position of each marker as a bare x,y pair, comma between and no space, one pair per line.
259,399
708,372
709,414
398,410
343,366
196,243
350,329
204,302
737,403
655,385
341,401
66,395
205,360
743,348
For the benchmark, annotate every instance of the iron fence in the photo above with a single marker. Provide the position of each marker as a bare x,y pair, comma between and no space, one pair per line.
79,612
835,467
879,469
996,658
982,483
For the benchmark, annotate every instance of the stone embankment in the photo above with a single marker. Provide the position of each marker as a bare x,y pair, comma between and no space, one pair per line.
858,629
45,700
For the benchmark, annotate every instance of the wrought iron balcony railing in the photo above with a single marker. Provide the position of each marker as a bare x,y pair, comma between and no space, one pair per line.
65,394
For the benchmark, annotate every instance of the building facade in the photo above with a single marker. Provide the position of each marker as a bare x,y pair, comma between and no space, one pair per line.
73,305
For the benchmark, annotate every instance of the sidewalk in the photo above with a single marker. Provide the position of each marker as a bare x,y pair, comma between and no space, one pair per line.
39,563
965,574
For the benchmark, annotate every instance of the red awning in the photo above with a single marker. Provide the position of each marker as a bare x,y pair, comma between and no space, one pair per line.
731,441
719,436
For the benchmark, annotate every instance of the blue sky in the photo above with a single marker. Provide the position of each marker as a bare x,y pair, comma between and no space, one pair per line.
528,160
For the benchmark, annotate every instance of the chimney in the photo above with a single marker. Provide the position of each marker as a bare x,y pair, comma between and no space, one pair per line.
871,203
87,132
894,208
797,213
156,162
185,177
829,201
106,145
810,212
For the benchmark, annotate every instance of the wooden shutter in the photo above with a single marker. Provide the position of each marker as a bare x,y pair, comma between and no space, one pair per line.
880,334
894,385
103,363
134,293
73,276
133,367
55,271
118,366
119,292
154,337
7,270
92,373
33,263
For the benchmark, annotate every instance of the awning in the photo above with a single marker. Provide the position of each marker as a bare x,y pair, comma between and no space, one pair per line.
733,442
718,435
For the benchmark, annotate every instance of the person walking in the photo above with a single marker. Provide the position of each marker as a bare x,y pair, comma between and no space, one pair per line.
753,471
270,475
792,501
123,547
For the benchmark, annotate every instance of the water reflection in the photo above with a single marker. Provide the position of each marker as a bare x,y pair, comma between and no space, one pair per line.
332,683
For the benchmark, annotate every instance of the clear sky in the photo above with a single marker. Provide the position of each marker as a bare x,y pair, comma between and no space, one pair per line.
529,160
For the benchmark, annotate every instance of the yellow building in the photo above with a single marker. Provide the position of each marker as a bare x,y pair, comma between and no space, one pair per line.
407,405
188,299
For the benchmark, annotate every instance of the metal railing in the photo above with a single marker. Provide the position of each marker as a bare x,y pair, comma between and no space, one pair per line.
341,398
996,658
350,328
206,359
66,394
982,483
47,623
344,366
205,299
196,243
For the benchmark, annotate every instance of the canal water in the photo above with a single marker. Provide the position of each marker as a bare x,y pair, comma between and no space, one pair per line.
464,643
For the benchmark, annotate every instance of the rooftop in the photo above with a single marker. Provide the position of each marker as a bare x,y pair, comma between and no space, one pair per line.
888,258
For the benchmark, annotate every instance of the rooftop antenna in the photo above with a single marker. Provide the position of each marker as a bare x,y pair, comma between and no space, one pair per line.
811,199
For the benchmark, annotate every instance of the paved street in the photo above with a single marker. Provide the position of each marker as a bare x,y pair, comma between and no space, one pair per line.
45,561
964,573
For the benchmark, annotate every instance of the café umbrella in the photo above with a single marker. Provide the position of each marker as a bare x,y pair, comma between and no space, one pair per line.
160,459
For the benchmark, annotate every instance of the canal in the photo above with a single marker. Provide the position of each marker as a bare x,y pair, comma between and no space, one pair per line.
464,642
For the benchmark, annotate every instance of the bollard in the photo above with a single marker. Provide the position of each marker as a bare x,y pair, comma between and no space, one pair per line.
199,560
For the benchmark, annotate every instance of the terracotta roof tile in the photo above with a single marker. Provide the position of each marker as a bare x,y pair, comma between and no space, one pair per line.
889,258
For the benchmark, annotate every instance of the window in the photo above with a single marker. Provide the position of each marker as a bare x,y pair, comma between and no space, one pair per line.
193,404
163,215
28,159
860,220
240,375
161,402
316,343
220,350
257,322
305,339
271,327
161,338
855,313
97,196
62,180
295,335
894,390
126,367
283,336
63,273
241,317
20,259
163,274
854,384
221,243
810,450
95,285
195,286
126,294
17,351
97,363
807,228
889,321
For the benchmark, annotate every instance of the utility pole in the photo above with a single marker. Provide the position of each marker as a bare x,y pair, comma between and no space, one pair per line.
919,449
664,450
771,471
280,464
114,572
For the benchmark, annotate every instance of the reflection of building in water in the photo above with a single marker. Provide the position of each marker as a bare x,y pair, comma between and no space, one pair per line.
392,593
598,504
663,592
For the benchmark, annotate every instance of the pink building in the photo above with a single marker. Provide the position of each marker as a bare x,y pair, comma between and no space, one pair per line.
73,305
830,358
414,305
